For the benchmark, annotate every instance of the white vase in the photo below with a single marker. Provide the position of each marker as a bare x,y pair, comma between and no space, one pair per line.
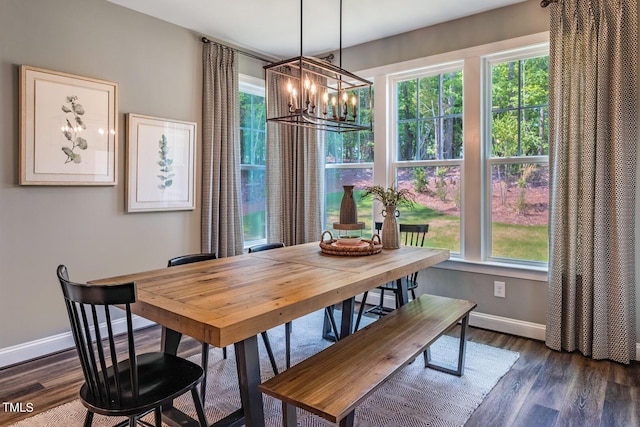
390,230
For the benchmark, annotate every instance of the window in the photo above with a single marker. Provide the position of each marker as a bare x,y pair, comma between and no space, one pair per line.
253,160
349,161
429,150
517,163
467,131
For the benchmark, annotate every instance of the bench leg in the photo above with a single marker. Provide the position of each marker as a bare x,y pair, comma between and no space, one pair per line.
289,415
459,371
348,420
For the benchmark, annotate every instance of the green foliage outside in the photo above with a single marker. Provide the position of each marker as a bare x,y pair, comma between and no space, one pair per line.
253,225
430,117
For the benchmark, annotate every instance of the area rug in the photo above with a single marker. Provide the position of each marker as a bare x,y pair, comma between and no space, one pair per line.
415,396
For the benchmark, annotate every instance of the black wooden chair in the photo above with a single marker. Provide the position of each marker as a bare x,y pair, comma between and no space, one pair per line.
410,235
188,259
116,385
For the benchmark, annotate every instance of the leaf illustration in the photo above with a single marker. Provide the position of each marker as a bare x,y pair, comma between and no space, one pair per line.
80,123
71,133
164,163
78,109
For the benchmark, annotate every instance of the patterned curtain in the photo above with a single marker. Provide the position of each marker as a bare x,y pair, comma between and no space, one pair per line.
295,179
221,202
593,95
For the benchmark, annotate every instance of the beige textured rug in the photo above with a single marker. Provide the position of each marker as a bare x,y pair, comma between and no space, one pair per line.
414,397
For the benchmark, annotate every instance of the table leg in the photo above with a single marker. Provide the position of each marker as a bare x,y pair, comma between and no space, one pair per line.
403,294
249,379
346,325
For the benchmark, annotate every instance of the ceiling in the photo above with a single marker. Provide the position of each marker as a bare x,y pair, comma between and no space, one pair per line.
272,27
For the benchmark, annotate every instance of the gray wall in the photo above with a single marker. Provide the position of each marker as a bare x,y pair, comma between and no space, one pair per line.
158,68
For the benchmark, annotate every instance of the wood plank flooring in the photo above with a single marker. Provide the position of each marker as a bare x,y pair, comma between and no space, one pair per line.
544,387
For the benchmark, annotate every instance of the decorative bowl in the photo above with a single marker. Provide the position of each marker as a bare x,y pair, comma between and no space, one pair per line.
349,240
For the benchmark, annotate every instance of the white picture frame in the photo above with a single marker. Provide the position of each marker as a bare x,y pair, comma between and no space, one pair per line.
160,164
68,129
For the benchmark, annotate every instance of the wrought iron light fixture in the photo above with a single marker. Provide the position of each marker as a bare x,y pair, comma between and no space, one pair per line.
309,92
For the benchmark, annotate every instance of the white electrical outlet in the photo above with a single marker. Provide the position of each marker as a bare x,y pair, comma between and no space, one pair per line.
499,289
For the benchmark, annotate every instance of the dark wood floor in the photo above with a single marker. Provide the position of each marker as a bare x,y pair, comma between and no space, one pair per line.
544,388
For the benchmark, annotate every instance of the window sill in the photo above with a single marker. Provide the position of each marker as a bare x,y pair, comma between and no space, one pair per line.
527,272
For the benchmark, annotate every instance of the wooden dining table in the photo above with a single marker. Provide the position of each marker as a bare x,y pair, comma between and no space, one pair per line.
231,300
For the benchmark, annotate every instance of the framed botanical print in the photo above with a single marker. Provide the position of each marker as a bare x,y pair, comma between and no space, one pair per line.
68,129
160,164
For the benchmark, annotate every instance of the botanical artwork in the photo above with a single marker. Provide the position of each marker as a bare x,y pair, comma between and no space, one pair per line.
161,168
165,163
68,129
73,131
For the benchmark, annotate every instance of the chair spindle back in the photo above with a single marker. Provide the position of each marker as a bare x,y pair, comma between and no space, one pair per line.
86,305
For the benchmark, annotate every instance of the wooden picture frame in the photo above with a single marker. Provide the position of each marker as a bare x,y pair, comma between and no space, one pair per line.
68,129
160,164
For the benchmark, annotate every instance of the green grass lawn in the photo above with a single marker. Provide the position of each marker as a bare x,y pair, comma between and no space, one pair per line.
530,242
509,240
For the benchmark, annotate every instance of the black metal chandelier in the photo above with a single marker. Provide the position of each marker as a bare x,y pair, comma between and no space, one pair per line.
312,93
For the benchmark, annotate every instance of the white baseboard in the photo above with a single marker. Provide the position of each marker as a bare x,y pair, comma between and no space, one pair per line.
55,343
507,325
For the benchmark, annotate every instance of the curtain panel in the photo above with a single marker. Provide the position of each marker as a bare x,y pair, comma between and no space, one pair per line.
221,226
593,96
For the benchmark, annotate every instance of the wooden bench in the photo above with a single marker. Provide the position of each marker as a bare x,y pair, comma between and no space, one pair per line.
333,382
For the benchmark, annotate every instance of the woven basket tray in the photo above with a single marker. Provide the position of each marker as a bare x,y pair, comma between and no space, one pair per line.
331,247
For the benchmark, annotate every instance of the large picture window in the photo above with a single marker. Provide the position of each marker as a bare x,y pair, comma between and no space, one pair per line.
429,151
517,164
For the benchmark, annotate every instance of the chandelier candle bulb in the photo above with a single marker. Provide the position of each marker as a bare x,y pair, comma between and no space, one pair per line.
354,101
325,99
344,99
